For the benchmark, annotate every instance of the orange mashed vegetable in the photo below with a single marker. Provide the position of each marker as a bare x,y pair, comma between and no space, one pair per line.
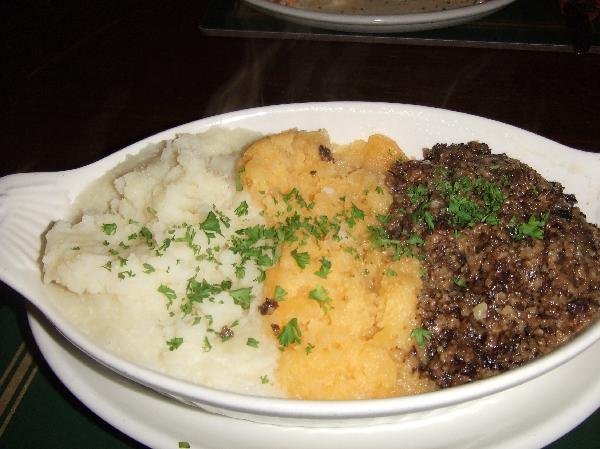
357,343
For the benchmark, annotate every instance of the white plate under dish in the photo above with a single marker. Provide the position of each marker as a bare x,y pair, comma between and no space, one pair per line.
528,416
29,202
397,23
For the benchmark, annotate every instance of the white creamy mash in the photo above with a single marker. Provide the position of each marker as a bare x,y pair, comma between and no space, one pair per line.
147,268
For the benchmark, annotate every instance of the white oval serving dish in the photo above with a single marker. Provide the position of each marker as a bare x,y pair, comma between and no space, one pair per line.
30,202
382,23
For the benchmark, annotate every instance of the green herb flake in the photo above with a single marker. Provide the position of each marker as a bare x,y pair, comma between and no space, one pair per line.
147,236
379,190
107,266
252,342
206,346
390,272
459,282
320,295
174,343
309,348
421,335
242,209
75,248
533,228
168,292
383,218
264,379
280,293
290,333
151,210
210,225
302,259
184,445
242,297
417,194
357,213
109,228
124,274
222,217
415,239
238,180
324,269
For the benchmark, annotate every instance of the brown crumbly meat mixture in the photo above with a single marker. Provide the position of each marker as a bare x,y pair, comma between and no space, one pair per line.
493,299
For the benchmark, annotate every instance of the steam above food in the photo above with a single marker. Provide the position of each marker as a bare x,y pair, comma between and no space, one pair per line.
293,266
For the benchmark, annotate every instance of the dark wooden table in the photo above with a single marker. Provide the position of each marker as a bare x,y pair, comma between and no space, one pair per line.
80,81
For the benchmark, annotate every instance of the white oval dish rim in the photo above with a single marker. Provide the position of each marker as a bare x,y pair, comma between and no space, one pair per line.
160,423
385,23
346,121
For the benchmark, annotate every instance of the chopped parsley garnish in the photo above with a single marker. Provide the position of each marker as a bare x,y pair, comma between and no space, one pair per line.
309,347
174,343
390,272
151,210
417,194
238,180
123,274
379,190
302,259
459,282
109,228
383,218
222,217
147,236
280,293
252,342
199,291
415,239
533,228
264,379
290,333
184,445
168,292
320,295
242,209
206,346
295,193
75,248
357,213
148,268
324,269
422,213
421,336
210,225
262,275
107,266
242,297
473,201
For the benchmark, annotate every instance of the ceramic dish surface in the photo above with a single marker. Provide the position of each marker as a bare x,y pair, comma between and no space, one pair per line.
398,23
30,202
522,417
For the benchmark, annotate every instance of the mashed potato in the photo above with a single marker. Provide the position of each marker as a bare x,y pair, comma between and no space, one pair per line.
145,268
258,274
